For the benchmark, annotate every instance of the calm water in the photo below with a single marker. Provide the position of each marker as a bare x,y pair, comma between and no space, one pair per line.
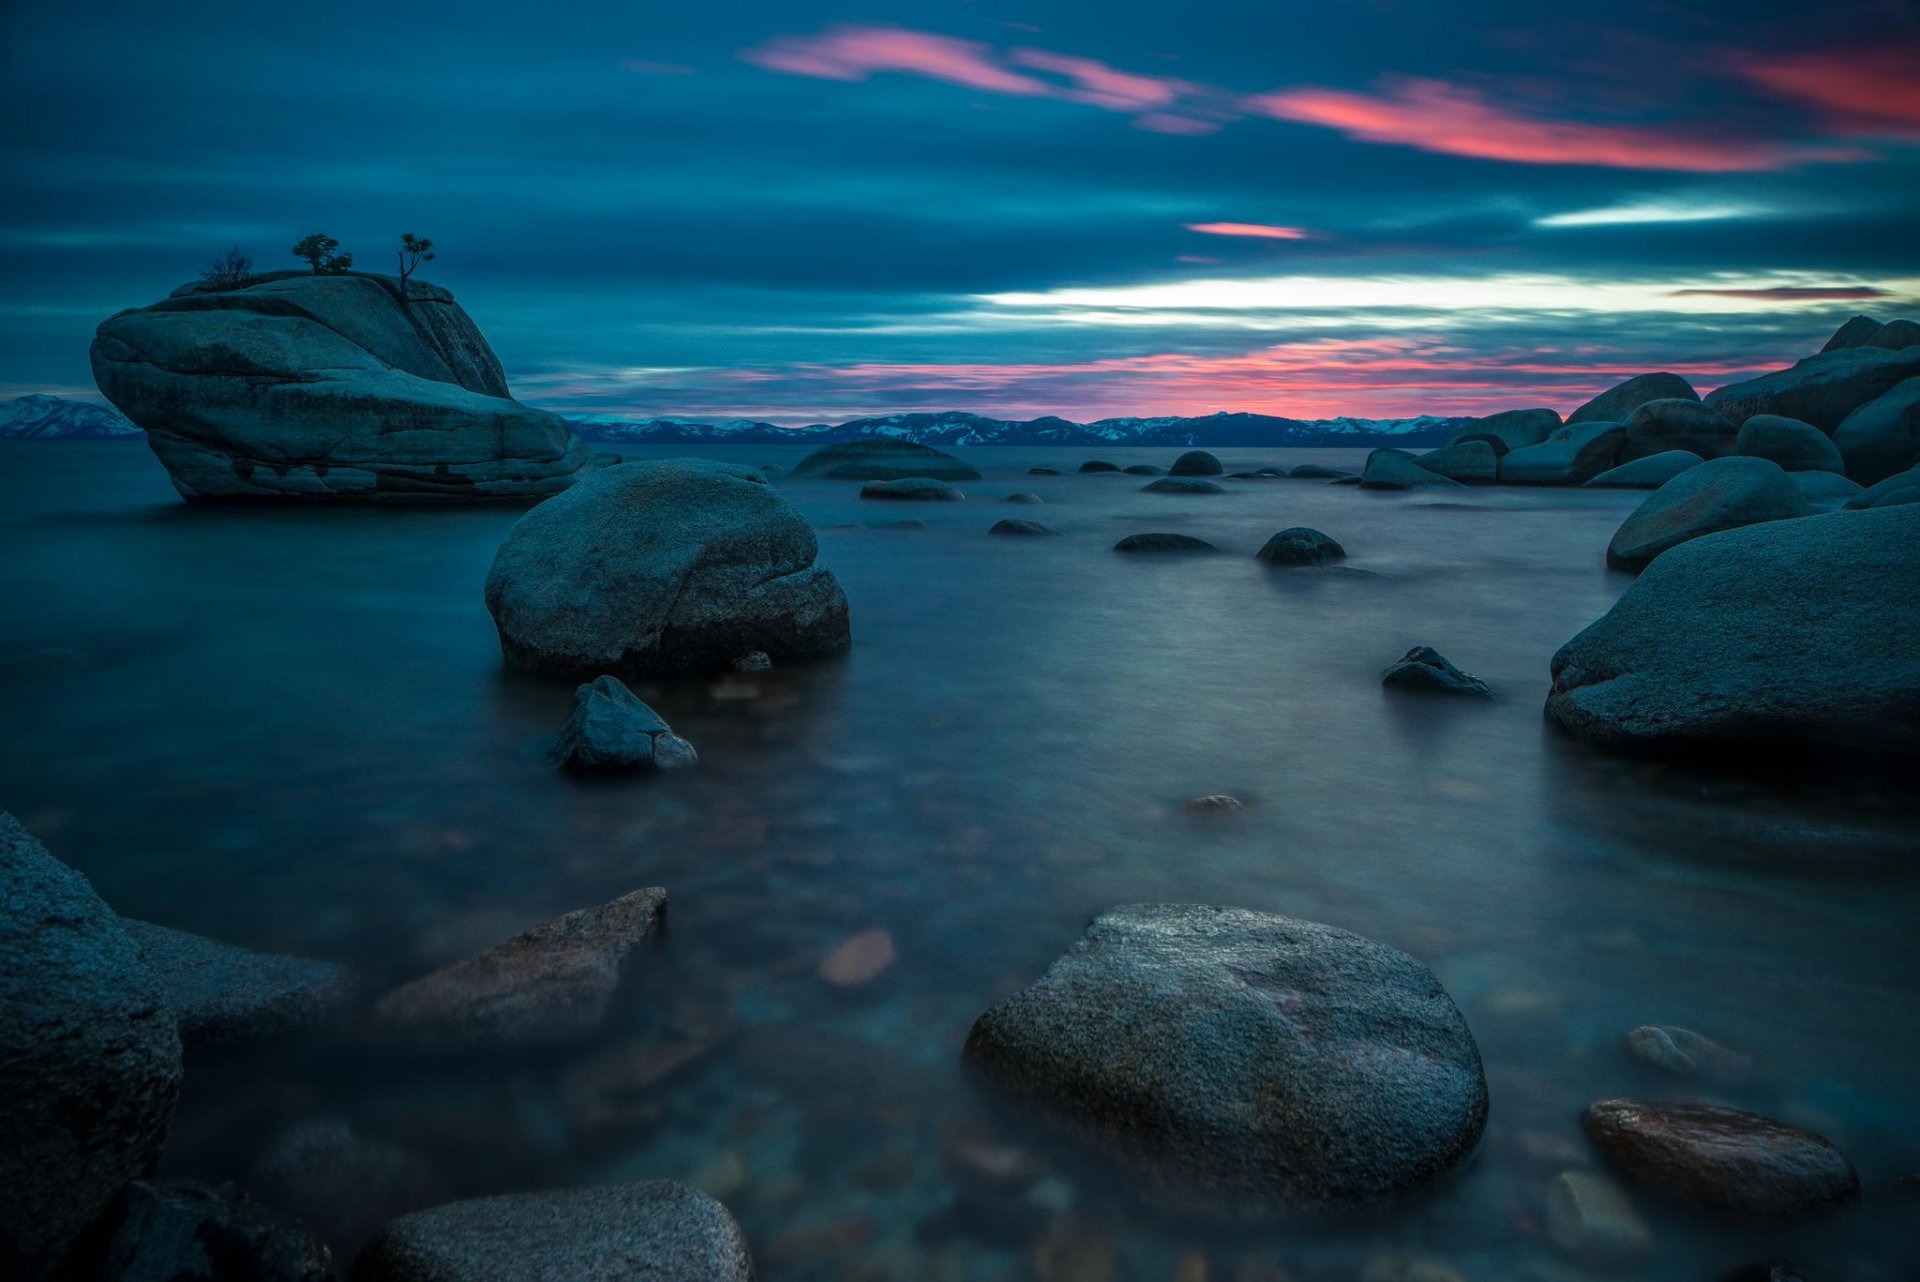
290,729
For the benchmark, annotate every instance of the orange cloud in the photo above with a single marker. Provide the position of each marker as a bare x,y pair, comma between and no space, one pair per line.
1258,230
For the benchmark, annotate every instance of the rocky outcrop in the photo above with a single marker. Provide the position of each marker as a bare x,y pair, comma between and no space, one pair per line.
1709,1158
550,984
1471,462
1720,494
1649,473
1882,437
1163,543
1896,335
222,994
1182,485
1617,403
1821,390
1196,463
1802,630
299,386
89,1059
1795,446
611,729
1573,455
1676,424
883,459
1397,470
1424,670
1300,546
1855,333
912,489
675,566
1244,1058
658,1231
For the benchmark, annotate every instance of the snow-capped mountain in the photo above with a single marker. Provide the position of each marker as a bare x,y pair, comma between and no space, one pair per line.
55,418
957,427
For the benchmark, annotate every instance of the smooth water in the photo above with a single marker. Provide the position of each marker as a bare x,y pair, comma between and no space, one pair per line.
291,729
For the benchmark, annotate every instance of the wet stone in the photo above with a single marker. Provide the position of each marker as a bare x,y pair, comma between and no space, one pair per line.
1689,1054
1591,1218
1163,543
1424,670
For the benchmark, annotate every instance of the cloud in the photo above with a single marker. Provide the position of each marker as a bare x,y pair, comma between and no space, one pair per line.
1436,116
1859,92
1260,231
850,52
1647,212
1791,293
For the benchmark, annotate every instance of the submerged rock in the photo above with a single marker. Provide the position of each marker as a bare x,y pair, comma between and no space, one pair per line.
1215,803
89,1057
1396,470
184,1231
1093,465
1196,463
1300,546
1821,390
552,983
1163,543
914,488
1882,437
663,567
1182,485
1685,1053
1795,446
1023,496
220,993
859,959
1617,403
1590,1218
1424,670
1043,471
1709,1158
298,386
1022,528
1247,1058
1573,455
611,729
1144,469
601,1233
882,459
1720,494
1649,473
1806,629
342,1183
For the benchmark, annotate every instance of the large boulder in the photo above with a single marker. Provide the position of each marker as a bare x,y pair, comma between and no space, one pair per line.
1245,1058
1517,429
1472,462
89,1057
1397,470
1855,333
1789,630
298,386
1676,424
1649,473
1896,335
1825,487
653,1231
1299,546
1573,455
1709,1158
1617,403
677,566
1195,463
1882,437
883,459
1821,390
1795,446
1720,494
1898,489
220,993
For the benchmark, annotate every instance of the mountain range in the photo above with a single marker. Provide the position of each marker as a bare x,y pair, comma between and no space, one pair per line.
55,418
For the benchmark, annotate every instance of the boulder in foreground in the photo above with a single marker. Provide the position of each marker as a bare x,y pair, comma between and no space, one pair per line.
297,386
89,1058
220,993
1709,1158
1248,1059
1804,630
612,729
1720,494
1795,446
883,459
653,1231
1882,437
666,567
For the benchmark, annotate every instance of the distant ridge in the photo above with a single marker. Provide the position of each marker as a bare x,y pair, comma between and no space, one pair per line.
957,427
55,418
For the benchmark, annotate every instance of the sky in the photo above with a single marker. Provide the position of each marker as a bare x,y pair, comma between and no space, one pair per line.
810,212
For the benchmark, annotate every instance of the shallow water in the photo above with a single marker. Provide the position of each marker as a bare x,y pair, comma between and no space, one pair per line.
291,729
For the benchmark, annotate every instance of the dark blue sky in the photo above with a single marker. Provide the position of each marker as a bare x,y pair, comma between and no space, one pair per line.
816,211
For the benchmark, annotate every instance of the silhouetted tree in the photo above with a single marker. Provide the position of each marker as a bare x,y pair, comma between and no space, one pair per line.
318,249
414,250
229,271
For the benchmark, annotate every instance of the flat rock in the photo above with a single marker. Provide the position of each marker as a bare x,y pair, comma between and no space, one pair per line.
1709,1158
1163,543
1573,455
652,1231
309,387
666,567
1720,494
223,994
611,729
1196,463
1300,546
177,1230
1022,529
1677,423
1249,1059
552,983
1795,446
1397,470
1617,403
882,459
922,489
89,1056
1821,390
1882,437
1424,670
1649,473
1685,1053
1182,485
1803,630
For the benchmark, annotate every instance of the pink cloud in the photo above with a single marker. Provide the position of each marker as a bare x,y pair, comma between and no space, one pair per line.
1433,115
1859,91
1259,231
1165,122
856,52
1099,85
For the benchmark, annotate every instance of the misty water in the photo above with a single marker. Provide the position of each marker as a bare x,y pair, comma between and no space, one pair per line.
291,729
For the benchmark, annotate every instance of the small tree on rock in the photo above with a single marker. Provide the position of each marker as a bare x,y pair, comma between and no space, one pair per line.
230,270
318,249
414,250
